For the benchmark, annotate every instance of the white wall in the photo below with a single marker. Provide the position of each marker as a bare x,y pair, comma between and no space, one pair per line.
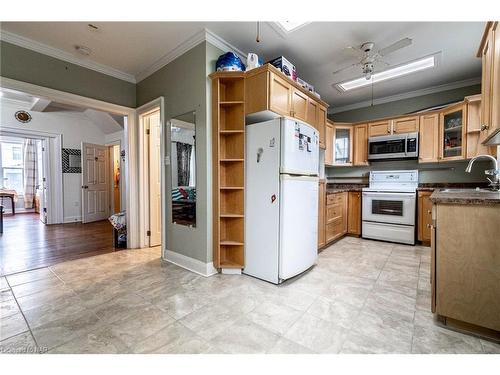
74,128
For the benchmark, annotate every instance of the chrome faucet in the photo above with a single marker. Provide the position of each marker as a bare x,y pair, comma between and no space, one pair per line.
495,172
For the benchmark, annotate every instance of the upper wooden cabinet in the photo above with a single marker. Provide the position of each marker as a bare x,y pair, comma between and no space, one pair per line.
299,105
393,126
405,125
379,128
489,52
342,144
475,133
321,125
452,136
360,144
270,92
429,138
280,95
329,143
312,111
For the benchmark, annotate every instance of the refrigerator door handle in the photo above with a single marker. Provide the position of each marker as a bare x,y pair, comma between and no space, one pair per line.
260,151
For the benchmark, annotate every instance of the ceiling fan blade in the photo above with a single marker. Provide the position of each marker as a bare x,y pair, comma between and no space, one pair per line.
345,68
355,50
405,42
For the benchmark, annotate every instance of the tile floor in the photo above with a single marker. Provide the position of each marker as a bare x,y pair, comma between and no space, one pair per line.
362,297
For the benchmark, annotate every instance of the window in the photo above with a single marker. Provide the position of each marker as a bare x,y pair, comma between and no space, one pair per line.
11,166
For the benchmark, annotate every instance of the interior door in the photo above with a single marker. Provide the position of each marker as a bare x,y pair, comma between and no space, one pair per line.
154,179
95,184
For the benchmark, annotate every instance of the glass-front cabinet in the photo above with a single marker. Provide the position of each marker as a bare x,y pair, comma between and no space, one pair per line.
342,145
452,129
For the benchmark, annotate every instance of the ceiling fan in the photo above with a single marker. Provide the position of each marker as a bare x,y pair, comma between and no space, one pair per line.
368,59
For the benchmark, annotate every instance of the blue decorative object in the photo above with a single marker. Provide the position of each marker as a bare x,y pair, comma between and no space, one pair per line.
229,62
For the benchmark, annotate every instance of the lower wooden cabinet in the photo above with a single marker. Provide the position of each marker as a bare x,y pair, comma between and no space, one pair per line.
354,213
424,216
321,214
336,216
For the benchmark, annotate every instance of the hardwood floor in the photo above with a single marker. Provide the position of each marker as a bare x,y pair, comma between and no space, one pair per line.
28,244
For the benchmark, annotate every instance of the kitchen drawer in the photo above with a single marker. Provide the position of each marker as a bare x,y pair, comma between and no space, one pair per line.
334,229
334,198
333,211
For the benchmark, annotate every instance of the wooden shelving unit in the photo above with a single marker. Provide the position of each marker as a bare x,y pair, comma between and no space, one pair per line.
228,142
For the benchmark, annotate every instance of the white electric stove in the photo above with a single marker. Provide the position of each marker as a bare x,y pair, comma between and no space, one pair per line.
389,206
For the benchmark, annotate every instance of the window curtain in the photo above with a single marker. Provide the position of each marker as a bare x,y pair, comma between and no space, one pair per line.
183,163
30,172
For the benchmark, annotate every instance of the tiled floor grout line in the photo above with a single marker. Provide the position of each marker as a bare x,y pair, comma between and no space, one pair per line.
24,317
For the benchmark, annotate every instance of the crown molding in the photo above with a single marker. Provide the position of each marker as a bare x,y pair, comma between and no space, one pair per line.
193,41
42,48
407,95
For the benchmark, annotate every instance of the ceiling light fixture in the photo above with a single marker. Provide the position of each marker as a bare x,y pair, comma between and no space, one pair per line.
399,71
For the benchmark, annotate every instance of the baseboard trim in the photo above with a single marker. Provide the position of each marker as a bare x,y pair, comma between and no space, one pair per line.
72,219
191,264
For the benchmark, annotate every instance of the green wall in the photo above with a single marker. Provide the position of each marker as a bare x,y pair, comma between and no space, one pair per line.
29,66
184,84
401,107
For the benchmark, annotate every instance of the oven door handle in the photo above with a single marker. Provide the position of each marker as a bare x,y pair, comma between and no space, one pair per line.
388,194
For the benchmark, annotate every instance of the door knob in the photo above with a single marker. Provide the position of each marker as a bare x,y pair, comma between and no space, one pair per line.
85,187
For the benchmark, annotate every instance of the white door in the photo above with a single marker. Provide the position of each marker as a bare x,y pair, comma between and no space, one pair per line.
43,178
298,224
154,179
299,148
95,184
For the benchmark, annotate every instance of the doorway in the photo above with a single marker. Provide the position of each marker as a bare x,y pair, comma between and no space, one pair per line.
150,125
115,178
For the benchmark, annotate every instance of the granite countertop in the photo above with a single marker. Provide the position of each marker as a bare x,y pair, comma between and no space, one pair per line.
466,196
453,185
340,188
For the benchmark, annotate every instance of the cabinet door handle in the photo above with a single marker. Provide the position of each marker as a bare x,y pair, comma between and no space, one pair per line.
429,226
484,127
429,211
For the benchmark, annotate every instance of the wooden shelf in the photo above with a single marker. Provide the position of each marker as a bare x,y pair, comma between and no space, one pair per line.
226,131
228,122
228,103
231,215
231,243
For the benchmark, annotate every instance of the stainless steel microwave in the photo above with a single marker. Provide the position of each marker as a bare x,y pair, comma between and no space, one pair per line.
396,146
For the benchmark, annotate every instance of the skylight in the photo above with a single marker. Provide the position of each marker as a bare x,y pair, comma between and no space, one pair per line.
399,71
289,26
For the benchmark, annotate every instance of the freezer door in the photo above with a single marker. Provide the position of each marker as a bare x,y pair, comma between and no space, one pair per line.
299,148
298,224
262,200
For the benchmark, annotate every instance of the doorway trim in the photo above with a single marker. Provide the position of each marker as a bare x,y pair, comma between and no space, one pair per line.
130,132
152,106
55,214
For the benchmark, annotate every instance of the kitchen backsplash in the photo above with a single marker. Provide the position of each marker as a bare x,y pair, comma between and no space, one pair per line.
428,173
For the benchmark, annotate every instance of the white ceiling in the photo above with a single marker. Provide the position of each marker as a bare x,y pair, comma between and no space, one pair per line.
316,49
108,123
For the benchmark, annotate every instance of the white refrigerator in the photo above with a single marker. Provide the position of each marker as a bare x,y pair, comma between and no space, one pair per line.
281,199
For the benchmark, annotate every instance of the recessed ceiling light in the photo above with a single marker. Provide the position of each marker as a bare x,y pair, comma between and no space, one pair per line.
399,71
83,50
